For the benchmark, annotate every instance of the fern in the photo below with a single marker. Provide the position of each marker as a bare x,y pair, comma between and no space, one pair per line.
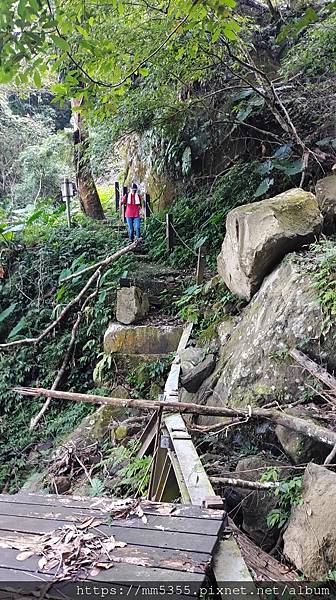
97,487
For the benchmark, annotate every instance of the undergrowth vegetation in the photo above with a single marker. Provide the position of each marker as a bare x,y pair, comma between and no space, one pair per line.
31,296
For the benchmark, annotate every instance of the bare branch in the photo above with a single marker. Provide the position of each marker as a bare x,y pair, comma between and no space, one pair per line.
107,261
302,426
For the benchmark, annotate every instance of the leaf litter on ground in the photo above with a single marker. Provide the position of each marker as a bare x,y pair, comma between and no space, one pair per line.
72,551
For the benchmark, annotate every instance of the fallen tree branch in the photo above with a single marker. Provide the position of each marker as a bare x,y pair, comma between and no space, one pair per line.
102,263
263,566
305,427
76,300
330,457
36,419
243,483
314,369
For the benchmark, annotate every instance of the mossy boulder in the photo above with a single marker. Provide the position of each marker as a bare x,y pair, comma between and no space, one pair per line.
326,198
259,235
254,365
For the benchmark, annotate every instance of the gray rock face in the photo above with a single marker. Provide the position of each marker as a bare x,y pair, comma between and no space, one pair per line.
192,380
310,538
132,305
254,366
326,198
190,357
300,448
224,330
259,235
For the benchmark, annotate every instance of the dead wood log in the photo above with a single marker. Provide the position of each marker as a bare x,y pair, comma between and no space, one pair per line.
263,566
305,427
330,457
315,370
76,300
243,483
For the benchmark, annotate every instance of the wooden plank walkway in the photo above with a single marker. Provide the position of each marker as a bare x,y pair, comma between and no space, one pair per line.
174,543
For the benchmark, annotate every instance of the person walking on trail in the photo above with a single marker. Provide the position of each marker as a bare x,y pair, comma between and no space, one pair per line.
133,204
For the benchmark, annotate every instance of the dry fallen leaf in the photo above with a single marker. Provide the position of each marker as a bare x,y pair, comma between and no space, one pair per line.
24,555
71,552
42,562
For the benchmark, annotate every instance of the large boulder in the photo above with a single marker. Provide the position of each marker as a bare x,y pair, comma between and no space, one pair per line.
254,366
141,339
192,380
310,538
132,305
300,448
259,235
326,198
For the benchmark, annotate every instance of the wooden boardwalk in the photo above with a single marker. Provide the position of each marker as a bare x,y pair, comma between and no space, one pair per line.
170,543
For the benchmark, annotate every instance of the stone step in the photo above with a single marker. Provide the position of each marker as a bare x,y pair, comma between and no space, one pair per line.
141,339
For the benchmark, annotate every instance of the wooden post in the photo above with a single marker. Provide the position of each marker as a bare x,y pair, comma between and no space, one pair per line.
200,266
169,232
67,204
147,206
117,195
125,192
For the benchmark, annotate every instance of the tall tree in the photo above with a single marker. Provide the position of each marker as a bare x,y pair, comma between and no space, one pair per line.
87,191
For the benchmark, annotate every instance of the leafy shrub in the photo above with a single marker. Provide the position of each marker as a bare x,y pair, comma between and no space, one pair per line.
289,493
199,218
207,305
143,376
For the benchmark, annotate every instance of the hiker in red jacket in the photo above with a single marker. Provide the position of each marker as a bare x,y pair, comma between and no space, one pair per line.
133,204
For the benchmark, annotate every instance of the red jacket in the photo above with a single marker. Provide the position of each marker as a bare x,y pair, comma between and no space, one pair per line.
132,209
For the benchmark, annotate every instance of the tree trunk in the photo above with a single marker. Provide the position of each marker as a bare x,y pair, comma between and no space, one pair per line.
87,191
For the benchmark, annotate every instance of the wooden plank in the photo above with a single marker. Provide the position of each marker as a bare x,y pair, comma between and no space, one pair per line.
25,584
9,575
136,564
193,473
104,504
200,266
148,436
152,557
66,514
153,538
169,232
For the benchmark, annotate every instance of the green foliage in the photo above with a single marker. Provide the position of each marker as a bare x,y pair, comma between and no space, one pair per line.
38,39
289,493
135,475
123,473
33,156
207,305
97,487
306,55
201,216
325,282
142,377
